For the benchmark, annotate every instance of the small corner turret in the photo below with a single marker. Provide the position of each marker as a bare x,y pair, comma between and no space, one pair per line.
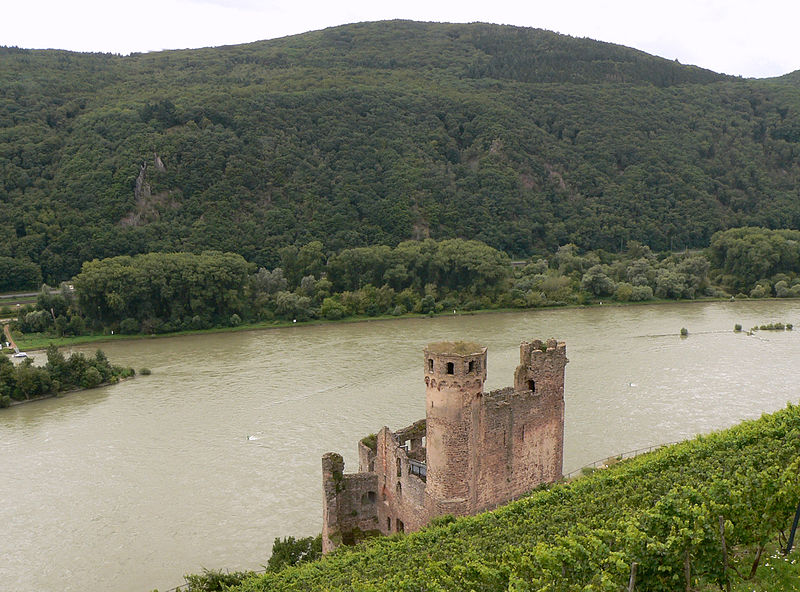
541,366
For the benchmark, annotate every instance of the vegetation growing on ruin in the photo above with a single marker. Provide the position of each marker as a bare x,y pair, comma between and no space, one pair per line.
461,348
377,133
25,381
371,442
667,511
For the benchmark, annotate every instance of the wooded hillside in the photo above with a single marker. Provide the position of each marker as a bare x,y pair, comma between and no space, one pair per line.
381,132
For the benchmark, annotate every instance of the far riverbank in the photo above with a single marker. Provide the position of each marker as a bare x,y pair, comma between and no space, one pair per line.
38,341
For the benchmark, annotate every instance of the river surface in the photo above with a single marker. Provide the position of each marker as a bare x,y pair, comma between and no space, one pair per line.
206,461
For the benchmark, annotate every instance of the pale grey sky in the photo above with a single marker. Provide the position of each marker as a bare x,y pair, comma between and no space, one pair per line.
741,37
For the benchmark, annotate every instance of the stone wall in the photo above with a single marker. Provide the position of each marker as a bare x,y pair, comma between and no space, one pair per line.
350,504
402,495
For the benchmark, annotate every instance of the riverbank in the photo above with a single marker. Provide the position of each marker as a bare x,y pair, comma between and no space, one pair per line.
26,382
61,394
38,341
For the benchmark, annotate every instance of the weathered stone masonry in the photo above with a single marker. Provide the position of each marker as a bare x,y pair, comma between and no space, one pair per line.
473,451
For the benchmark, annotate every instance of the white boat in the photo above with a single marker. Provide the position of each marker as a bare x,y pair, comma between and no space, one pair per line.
20,354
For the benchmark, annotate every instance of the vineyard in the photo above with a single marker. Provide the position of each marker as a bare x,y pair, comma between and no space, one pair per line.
694,516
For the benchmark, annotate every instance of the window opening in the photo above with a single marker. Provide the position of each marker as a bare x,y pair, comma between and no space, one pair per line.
471,368
399,488
400,526
430,364
399,468
389,524
450,368
532,386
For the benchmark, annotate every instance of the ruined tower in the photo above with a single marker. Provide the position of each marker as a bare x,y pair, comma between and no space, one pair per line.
473,451
454,378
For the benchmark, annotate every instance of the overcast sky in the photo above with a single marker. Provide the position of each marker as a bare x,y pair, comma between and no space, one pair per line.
744,37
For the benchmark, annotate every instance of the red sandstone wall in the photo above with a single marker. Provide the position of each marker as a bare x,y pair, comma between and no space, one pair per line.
406,504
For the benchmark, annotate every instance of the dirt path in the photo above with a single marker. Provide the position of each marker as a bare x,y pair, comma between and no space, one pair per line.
7,332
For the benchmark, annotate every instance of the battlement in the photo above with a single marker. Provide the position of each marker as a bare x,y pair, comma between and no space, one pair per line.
541,363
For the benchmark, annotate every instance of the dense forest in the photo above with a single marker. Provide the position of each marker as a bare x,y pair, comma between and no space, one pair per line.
380,133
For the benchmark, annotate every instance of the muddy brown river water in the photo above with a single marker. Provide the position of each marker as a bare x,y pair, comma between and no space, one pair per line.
206,461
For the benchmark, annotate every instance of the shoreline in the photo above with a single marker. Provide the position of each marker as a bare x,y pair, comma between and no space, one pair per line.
39,343
58,395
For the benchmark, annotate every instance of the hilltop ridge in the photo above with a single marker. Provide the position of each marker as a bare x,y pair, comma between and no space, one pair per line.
375,133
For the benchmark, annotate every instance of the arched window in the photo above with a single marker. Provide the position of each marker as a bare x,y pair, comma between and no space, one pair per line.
399,489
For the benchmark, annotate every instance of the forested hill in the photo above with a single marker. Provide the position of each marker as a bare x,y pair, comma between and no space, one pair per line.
381,132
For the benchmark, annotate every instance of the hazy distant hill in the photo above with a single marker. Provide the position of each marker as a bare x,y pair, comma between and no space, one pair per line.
381,132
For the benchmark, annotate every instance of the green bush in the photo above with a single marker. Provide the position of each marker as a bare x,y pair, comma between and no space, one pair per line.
129,326
91,378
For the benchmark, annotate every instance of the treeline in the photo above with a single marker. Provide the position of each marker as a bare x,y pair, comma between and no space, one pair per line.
163,292
25,381
694,516
168,292
380,133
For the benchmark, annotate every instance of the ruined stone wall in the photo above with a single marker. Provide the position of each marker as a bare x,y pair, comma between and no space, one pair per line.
366,458
521,445
402,495
349,504
521,429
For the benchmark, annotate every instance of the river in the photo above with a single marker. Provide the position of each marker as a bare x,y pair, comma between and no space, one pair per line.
206,461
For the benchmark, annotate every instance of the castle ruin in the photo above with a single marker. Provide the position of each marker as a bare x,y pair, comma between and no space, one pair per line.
472,452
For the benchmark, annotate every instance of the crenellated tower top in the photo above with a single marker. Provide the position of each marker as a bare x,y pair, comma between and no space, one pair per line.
541,367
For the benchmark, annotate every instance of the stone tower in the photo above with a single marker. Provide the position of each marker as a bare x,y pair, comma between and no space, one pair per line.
454,377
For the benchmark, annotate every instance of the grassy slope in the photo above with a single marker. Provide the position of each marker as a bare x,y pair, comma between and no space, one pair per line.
565,536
